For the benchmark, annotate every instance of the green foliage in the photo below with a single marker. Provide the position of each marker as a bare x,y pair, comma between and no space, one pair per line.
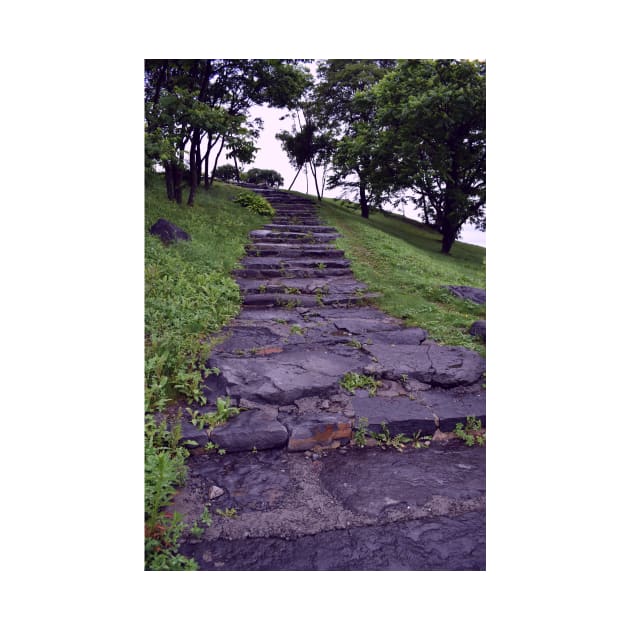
385,439
352,381
296,330
227,173
164,470
472,433
263,176
420,441
188,289
360,432
256,203
206,517
211,447
195,530
227,512
214,419
433,117
161,549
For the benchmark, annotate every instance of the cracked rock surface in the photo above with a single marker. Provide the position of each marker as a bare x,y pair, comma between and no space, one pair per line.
302,493
350,509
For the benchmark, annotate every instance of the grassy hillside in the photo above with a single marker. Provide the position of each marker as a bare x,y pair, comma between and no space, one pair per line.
188,289
402,261
188,294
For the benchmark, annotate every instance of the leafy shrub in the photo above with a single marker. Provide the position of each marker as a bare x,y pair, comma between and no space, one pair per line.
164,470
256,203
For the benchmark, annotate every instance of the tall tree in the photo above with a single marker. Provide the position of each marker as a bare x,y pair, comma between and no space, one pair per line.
189,101
433,139
345,106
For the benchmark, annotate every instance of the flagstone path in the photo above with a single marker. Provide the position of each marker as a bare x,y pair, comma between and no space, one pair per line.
304,329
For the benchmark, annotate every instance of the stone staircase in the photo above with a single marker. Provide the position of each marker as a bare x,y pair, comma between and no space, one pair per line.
305,325
293,261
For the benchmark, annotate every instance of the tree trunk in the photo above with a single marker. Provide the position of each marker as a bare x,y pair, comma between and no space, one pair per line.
237,172
306,173
178,182
193,168
296,176
448,238
206,161
168,177
365,209
199,162
314,171
216,161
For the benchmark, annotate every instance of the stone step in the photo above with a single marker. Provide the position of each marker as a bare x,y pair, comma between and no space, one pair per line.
271,300
299,237
305,286
289,264
276,227
293,250
295,272
293,221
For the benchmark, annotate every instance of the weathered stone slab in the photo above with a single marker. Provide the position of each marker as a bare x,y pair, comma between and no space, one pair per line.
258,428
382,479
451,407
404,336
454,366
446,366
318,429
356,325
473,294
247,339
283,378
168,232
401,415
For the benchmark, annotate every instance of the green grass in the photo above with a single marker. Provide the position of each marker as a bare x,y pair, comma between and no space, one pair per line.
189,294
188,290
403,263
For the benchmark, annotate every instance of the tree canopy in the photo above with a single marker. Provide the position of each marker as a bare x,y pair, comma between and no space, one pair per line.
410,131
190,101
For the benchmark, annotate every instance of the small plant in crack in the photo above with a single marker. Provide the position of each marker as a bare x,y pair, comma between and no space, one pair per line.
420,441
211,447
385,439
293,290
355,343
214,419
226,512
360,433
195,530
472,433
297,330
351,381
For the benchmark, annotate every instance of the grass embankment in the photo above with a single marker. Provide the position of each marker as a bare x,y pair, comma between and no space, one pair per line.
188,295
188,289
402,261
